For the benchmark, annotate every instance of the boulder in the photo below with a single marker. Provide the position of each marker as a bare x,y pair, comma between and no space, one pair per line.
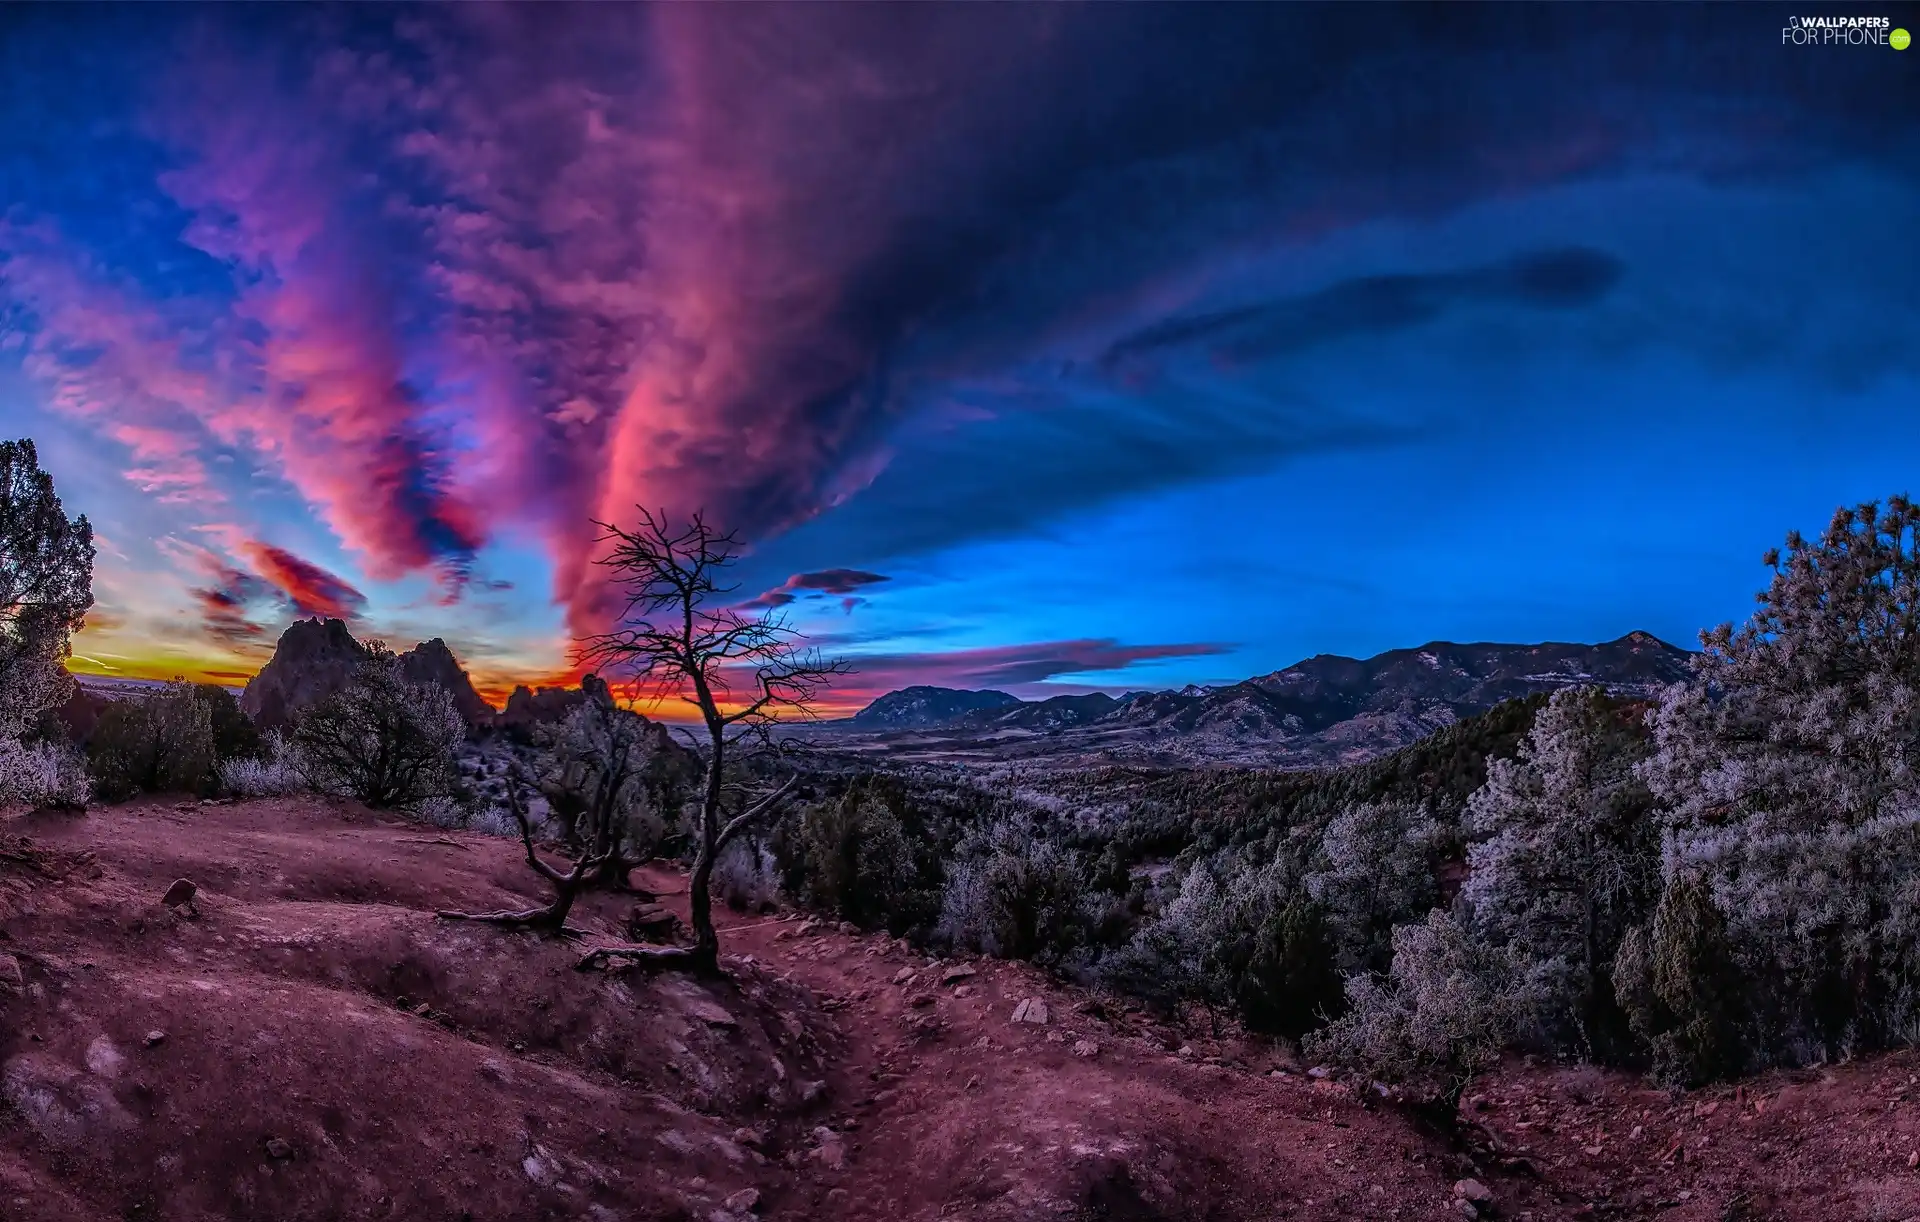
652,923
1473,1190
181,892
1032,1010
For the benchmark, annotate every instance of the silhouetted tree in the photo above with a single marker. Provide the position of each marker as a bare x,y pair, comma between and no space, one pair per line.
678,639
46,587
381,739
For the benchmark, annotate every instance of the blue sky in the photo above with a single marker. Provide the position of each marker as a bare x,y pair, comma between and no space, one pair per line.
1046,349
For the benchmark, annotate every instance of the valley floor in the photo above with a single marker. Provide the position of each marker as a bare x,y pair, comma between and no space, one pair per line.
312,1043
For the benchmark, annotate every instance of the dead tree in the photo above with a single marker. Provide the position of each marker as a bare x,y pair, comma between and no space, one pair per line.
549,918
678,638
598,759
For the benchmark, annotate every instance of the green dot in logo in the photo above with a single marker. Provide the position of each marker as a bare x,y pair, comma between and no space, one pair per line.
1899,39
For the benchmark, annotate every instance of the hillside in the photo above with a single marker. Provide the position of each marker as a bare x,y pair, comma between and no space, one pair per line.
306,1041
1325,711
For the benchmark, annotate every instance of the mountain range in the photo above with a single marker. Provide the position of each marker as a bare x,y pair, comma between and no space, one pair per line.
1325,710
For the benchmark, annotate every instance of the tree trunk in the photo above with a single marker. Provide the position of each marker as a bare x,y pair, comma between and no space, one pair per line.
706,942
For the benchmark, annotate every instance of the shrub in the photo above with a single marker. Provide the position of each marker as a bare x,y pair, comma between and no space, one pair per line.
1680,989
1442,1014
747,876
274,772
382,740
1020,896
158,743
1378,872
858,863
43,774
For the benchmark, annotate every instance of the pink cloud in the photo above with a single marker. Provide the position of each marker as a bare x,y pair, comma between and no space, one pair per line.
311,589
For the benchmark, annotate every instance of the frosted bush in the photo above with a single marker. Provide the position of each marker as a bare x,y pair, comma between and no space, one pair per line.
1015,895
1441,1015
273,775
746,875
42,774
1378,871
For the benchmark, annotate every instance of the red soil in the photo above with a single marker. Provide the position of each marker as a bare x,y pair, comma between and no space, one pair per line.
293,1083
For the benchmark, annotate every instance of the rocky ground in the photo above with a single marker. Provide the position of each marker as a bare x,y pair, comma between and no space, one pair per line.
306,1041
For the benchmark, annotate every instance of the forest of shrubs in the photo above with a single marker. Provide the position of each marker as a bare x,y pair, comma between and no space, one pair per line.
1721,880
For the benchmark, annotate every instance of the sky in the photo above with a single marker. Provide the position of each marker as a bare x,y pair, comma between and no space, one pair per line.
1040,347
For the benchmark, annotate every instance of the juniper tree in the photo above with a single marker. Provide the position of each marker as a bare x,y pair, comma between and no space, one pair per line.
1565,855
381,739
1377,871
46,588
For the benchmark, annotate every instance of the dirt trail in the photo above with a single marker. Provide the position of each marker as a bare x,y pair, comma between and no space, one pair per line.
311,1043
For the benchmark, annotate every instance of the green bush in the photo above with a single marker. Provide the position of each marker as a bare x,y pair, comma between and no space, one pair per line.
160,743
1442,1014
1680,989
860,864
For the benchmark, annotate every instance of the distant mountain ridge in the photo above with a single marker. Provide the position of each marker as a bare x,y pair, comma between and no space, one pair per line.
920,706
1326,708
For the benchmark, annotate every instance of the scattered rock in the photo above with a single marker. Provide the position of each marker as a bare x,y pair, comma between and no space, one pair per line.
711,1014
1913,1159
652,923
278,1148
848,928
182,892
964,991
1465,1208
839,1198
103,1058
808,928
748,1138
1086,1048
921,1001
904,976
1032,1010
744,1201
831,1152
12,980
1472,1190
1319,1071
957,973
156,1038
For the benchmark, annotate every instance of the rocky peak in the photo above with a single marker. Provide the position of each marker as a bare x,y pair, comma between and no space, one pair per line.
313,659
432,662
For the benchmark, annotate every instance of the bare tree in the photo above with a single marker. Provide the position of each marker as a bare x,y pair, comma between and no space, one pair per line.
679,638
550,917
597,767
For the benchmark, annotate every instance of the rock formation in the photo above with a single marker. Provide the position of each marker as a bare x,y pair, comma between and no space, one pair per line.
315,658
432,662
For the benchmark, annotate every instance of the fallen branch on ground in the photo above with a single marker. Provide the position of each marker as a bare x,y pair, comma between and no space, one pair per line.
441,840
644,956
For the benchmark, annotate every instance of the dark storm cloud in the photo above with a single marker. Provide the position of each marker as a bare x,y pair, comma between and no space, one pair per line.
1376,305
463,270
